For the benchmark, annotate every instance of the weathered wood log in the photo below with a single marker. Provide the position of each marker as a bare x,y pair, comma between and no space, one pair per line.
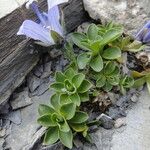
17,56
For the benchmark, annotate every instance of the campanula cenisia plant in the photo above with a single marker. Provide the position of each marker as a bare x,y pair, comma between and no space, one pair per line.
47,27
108,77
93,42
61,121
72,87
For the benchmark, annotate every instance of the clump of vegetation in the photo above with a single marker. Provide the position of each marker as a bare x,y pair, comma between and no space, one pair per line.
97,67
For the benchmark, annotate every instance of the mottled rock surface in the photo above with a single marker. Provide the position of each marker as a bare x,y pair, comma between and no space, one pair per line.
131,13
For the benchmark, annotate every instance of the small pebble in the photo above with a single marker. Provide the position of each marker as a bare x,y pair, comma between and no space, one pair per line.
120,122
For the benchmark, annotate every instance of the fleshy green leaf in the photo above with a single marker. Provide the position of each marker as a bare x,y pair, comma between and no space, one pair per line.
70,73
85,86
113,80
78,79
109,68
46,121
107,87
66,138
57,86
84,97
44,109
51,136
148,84
83,59
139,82
96,63
60,77
75,99
111,35
112,53
78,38
68,110
64,99
63,126
70,88
55,101
79,127
92,32
79,117
101,81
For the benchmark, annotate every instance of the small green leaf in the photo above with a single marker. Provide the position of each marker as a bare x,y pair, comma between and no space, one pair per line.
92,32
109,67
111,53
57,86
56,37
64,99
96,47
78,38
55,101
60,77
83,59
75,99
96,63
46,121
101,81
51,136
70,73
84,97
66,138
78,79
68,110
79,117
148,85
111,35
79,127
113,80
63,126
85,86
69,87
107,87
44,109
139,82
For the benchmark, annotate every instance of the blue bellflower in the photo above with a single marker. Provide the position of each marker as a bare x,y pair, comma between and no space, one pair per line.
41,30
144,34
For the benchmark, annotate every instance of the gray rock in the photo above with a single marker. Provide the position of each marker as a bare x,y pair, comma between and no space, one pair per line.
38,71
116,112
36,137
4,108
26,133
21,100
57,146
41,89
83,27
2,132
106,121
134,98
55,53
101,140
33,82
132,14
47,70
2,141
14,116
120,122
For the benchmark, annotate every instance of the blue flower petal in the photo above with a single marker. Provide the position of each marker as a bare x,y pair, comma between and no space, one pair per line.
146,38
53,17
36,32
